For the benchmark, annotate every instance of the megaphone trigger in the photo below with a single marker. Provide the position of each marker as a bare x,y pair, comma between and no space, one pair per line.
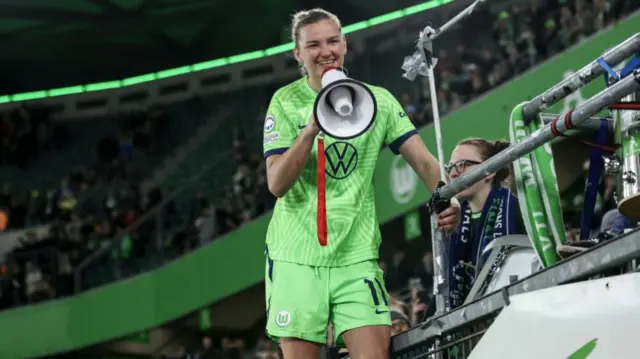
344,108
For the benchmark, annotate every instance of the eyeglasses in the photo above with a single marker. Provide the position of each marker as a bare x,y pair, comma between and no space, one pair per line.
460,166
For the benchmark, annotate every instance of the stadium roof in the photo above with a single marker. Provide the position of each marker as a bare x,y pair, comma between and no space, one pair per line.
56,43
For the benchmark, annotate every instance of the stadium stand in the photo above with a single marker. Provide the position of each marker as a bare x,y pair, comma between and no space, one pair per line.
107,198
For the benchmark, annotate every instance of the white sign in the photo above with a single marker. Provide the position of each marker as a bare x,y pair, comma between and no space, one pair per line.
596,319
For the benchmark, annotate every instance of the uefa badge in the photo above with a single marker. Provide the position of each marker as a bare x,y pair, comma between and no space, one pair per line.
269,123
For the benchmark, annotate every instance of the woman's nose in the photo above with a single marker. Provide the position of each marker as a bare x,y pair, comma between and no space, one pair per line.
325,51
453,174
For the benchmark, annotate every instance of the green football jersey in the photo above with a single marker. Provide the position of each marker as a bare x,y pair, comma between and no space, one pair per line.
353,233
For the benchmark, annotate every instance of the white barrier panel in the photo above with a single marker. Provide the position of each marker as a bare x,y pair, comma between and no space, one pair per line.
595,319
518,263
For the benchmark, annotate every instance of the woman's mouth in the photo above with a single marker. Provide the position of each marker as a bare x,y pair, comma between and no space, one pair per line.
326,63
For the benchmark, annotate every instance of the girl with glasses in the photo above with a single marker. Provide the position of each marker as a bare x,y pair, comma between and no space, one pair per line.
489,210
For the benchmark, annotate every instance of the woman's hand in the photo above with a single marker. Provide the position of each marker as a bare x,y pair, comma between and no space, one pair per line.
312,128
449,219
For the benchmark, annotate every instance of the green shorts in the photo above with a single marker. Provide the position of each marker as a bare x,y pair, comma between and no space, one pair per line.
302,300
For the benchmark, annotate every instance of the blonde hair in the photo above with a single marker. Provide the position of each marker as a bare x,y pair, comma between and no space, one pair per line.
308,17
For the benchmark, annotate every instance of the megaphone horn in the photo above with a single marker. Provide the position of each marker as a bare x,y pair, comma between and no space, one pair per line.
344,108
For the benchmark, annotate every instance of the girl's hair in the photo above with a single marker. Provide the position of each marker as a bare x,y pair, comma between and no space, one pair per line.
488,149
308,17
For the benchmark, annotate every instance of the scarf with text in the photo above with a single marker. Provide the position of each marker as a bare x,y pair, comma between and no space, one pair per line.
466,244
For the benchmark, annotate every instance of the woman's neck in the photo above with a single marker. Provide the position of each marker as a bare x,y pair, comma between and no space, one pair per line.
315,84
477,202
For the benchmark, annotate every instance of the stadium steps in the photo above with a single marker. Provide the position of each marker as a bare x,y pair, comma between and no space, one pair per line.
215,153
171,163
46,170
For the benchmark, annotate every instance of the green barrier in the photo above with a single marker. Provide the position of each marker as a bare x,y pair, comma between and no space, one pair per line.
236,261
538,193
138,303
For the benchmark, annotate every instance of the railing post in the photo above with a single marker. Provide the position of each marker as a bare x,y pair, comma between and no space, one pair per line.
160,235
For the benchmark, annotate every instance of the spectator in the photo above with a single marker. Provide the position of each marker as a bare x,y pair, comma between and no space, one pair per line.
232,348
5,196
408,105
206,351
399,322
425,270
8,290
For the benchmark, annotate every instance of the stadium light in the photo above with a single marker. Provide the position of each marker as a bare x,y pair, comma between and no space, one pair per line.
253,55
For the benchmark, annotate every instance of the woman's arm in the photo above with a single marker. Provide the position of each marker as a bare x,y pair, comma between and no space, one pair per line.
285,169
427,167
422,161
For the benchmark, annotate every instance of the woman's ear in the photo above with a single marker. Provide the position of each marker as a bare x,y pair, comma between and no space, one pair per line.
344,43
489,178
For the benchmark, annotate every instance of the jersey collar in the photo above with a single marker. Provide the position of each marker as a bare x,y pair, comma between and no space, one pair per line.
307,90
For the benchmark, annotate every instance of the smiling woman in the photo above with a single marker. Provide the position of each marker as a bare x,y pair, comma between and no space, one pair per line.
321,45
323,237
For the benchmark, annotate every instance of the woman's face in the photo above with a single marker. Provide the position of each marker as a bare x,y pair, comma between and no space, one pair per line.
320,45
463,159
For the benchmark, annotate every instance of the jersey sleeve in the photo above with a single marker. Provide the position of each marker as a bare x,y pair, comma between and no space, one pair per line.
279,133
399,126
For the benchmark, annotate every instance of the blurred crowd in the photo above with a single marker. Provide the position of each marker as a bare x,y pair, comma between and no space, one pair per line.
24,133
524,34
231,348
103,200
68,221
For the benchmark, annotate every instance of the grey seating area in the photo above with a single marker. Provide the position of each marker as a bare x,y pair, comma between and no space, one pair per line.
102,195
49,167
219,150
76,141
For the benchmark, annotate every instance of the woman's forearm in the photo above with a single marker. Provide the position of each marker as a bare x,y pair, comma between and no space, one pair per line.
285,169
429,172
422,161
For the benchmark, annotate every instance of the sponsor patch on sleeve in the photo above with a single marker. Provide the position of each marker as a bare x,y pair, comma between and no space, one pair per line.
271,137
269,123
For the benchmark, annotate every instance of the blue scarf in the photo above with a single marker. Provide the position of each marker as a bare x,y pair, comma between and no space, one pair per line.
466,245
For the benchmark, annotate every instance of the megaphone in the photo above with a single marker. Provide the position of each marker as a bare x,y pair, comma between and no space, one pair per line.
345,108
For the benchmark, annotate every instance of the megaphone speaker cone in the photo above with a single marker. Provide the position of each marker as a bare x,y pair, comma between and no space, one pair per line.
342,101
344,108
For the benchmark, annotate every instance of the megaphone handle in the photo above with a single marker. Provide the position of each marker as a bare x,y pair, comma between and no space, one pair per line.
322,199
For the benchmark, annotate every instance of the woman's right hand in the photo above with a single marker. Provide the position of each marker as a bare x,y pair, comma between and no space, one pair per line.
312,128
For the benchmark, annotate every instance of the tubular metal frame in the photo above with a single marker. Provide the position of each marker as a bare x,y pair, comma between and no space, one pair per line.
423,63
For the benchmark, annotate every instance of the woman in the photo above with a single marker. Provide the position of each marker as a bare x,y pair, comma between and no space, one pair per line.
489,210
323,237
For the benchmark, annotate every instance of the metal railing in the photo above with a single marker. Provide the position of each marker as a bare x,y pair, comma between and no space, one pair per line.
454,334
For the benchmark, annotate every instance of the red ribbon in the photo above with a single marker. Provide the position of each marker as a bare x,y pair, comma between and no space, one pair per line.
322,199
625,106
